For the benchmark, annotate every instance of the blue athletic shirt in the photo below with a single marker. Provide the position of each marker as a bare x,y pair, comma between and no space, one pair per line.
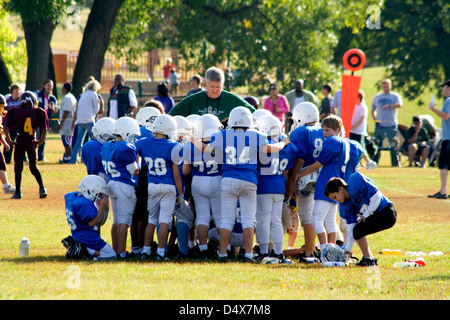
202,164
91,155
356,152
360,190
159,155
79,211
146,132
116,155
334,157
238,149
309,142
271,178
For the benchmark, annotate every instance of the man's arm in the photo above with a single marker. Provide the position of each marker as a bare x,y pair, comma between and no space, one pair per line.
441,114
182,108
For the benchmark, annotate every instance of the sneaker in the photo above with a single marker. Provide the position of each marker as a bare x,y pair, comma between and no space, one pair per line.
62,161
222,259
42,193
367,262
370,165
249,260
161,258
17,195
44,160
119,257
9,189
145,256
438,195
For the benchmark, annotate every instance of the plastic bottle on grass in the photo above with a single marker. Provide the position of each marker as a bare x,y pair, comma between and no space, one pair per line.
390,252
24,247
405,264
419,261
435,253
333,264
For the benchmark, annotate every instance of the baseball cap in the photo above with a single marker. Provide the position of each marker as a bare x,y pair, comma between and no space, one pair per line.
446,83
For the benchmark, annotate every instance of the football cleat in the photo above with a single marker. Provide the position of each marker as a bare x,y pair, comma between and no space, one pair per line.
42,193
161,258
17,195
67,242
367,262
9,189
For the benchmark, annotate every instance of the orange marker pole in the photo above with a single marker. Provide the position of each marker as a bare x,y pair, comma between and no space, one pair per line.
349,95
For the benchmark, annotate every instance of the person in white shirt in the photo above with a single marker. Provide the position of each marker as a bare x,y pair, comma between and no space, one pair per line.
358,130
88,107
68,105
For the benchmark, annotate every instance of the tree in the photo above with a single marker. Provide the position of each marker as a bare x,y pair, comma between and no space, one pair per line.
413,42
39,19
95,41
265,40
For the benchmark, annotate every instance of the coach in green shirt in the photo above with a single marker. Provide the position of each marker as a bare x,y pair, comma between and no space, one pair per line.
214,100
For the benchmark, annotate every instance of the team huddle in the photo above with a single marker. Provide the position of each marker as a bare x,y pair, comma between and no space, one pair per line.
212,189
207,190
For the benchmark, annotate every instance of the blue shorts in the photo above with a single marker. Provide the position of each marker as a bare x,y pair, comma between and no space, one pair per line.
67,141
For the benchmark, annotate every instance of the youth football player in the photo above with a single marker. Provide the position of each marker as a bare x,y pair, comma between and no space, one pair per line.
119,161
332,162
84,209
26,119
369,211
165,189
271,190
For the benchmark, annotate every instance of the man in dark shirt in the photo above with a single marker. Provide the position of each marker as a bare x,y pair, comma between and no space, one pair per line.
26,119
416,142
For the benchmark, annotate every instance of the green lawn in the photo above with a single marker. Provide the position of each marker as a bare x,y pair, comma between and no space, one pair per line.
423,225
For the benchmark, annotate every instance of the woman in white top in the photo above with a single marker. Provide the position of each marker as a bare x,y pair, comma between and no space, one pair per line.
87,107
358,130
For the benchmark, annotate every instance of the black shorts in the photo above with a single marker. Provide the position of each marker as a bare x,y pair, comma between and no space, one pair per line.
444,155
377,222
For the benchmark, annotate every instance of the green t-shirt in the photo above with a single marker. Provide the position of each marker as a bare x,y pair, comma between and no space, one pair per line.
200,104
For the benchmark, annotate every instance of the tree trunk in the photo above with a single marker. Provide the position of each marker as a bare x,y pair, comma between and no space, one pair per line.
5,77
51,72
38,35
95,42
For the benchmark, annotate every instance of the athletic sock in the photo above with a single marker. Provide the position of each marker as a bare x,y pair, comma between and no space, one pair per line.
146,250
249,255
160,251
203,247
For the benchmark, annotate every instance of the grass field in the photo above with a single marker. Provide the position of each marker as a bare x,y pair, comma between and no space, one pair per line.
423,225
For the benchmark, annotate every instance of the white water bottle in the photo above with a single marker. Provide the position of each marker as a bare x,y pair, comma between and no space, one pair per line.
24,247
333,264
405,264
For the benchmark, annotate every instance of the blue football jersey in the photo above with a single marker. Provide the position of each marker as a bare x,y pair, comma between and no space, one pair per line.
146,132
202,163
356,152
361,189
116,156
271,177
79,211
159,155
238,150
91,155
334,157
309,142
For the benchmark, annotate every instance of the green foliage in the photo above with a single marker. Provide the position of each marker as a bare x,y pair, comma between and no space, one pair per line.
37,10
13,50
413,42
265,40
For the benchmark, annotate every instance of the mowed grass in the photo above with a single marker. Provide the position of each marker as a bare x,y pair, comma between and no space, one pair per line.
423,225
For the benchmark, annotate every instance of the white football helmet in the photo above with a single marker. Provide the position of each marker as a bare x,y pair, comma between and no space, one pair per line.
258,114
146,116
240,117
127,128
206,126
305,112
92,186
307,183
269,126
103,130
165,124
184,126
193,118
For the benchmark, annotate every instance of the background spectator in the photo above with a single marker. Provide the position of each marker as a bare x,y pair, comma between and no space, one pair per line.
276,103
48,102
162,95
324,109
